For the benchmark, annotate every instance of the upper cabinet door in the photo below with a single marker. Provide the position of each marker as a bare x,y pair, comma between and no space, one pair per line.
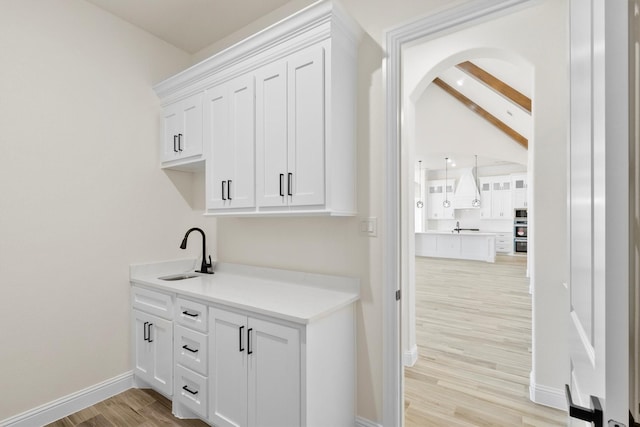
306,128
229,132
271,135
182,129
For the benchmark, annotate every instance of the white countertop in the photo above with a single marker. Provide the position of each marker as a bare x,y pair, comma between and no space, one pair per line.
462,233
289,295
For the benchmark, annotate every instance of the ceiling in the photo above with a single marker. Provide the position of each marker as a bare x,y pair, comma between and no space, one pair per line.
190,25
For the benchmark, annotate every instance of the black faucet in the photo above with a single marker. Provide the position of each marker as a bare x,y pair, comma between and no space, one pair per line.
204,268
458,229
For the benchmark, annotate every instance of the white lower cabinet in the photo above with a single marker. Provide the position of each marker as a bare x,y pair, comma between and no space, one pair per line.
255,372
152,341
237,368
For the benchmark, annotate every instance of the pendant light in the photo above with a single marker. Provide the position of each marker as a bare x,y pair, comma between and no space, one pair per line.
420,204
446,202
476,201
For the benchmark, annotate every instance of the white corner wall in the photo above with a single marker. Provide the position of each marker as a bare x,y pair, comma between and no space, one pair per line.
81,193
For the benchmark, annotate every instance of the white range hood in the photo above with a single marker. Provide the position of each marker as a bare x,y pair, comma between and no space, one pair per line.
466,191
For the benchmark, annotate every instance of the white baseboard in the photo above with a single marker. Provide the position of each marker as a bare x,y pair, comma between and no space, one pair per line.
363,422
410,357
67,405
546,396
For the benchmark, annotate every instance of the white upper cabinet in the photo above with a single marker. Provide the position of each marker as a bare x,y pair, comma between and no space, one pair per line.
279,139
182,132
519,190
290,130
229,130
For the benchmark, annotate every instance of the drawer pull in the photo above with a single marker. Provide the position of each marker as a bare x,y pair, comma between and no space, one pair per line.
240,348
144,331
186,347
149,327
185,388
249,351
186,313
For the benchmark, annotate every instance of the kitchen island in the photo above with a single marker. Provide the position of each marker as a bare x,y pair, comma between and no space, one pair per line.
465,245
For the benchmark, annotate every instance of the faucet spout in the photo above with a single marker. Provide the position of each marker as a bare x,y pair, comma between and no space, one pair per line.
205,266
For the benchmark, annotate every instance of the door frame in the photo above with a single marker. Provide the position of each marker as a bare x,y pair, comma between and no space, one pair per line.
393,272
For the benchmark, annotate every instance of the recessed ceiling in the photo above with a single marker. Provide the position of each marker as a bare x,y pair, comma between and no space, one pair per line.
190,25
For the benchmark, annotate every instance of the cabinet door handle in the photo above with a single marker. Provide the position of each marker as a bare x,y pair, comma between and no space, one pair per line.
223,198
186,313
289,184
186,347
149,339
144,331
175,150
240,348
185,388
179,142
281,184
249,351
229,190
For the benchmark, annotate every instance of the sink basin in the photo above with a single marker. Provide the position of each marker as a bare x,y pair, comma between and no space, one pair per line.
181,276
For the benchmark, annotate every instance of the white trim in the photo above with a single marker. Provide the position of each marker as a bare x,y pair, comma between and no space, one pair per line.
547,396
410,356
67,405
363,422
430,26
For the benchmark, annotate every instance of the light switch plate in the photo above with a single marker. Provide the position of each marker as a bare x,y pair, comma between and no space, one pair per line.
369,226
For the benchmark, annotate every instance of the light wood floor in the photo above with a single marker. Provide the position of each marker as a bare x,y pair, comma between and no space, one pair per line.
473,327
134,407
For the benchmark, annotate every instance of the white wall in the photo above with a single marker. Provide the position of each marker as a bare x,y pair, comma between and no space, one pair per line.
536,38
81,193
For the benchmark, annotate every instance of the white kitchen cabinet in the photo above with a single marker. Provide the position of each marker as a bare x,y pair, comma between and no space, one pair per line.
304,118
290,130
501,198
519,185
255,371
229,132
182,132
437,192
485,198
495,197
504,242
152,351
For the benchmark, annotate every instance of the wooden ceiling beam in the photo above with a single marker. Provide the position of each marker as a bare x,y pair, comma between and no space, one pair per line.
483,113
497,85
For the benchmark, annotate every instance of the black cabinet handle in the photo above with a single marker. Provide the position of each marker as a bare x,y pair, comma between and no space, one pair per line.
289,184
229,190
185,388
179,142
186,347
223,198
240,348
281,184
144,331
249,351
150,325
186,313
175,150
594,415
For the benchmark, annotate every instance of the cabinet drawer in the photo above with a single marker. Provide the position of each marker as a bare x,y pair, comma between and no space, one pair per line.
191,390
191,349
191,314
503,248
152,302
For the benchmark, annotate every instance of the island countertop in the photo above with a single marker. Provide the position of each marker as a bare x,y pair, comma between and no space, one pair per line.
288,295
462,233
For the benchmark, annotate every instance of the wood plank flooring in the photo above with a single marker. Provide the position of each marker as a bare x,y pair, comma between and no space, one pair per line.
473,328
134,407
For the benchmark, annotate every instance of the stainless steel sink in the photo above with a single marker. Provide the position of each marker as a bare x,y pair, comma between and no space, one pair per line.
181,276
